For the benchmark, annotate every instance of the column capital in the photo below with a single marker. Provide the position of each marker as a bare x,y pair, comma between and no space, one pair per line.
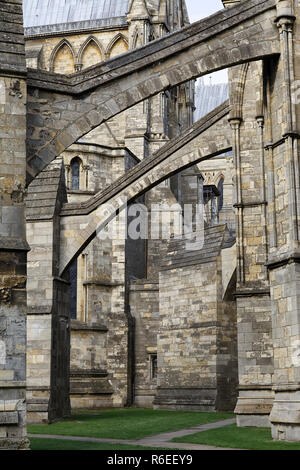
260,121
285,15
235,122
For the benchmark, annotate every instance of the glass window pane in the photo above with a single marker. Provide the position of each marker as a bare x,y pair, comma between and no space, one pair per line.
75,165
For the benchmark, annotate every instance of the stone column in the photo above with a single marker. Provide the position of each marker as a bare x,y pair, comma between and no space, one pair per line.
13,245
253,297
284,262
137,118
48,323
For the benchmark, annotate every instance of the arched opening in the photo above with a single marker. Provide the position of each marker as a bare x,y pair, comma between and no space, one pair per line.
221,196
63,59
77,277
137,40
75,173
73,289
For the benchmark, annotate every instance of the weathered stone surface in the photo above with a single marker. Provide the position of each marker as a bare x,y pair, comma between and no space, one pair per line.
9,417
173,157
12,228
48,316
109,89
264,115
197,351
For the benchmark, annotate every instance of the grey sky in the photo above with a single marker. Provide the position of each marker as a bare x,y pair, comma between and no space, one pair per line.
199,9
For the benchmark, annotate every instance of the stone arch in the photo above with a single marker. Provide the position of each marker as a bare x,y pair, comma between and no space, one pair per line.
135,38
201,142
119,40
91,43
238,90
142,73
64,49
219,176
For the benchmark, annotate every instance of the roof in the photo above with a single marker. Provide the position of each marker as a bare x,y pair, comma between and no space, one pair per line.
208,97
179,253
44,16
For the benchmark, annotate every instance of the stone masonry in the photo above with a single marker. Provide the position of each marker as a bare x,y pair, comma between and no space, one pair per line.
222,333
14,248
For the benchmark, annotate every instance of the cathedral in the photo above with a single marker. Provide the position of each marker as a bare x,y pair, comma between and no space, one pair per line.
114,291
115,283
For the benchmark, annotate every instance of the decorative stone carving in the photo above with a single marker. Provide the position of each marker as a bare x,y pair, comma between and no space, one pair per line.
5,296
15,89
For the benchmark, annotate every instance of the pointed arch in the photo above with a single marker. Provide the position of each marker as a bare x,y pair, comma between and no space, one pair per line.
237,85
91,41
64,66
220,185
135,39
76,168
119,38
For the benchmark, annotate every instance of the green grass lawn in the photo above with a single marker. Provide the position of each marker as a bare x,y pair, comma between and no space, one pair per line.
241,438
61,444
128,423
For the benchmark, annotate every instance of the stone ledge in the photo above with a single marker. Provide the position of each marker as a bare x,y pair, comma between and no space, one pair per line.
95,282
255,387
286,388
13,244
81,326
31,388
283,259
12,384
144,287
9,417
251,292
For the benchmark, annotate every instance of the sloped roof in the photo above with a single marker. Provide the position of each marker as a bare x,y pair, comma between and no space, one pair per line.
215,239
46,192
208,97
42,16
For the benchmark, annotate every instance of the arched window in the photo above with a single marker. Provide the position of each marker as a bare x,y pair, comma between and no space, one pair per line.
75,173
221,197
73,289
